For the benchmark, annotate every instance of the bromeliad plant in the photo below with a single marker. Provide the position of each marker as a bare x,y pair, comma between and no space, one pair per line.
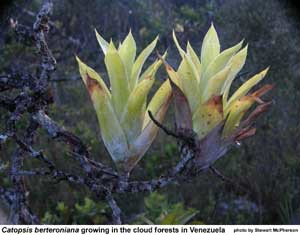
200,88
201,91
122,110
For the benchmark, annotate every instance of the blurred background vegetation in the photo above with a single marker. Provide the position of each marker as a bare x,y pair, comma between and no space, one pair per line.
267,165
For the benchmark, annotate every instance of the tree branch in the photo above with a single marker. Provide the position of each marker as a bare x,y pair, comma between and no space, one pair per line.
116,212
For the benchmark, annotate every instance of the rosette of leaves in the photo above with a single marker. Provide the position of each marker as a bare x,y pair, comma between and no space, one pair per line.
201,87
122,110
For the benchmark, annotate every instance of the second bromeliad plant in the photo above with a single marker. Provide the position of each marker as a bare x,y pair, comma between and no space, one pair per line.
200,90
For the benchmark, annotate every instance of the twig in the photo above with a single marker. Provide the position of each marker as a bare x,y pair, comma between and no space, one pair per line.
40,28
187,139
161,126
220,175
116,212
57,132
226,179
7,195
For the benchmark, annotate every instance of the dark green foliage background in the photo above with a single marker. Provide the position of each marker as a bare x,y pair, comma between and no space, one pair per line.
267,165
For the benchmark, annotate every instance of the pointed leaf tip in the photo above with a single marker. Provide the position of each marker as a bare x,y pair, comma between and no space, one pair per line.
102,42
262,108
140,61
247,86
245,133
179,48
127,52
210,47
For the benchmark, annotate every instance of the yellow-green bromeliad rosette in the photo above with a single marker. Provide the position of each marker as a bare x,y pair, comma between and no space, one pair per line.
122,110
201,87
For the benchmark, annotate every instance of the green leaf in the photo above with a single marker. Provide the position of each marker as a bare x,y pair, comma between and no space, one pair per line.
159,98
143,142
215,84
173,75
221,60
189,83
237,62
118,79
112,134
138,64
246,87
152,69
134,112
127,52
181,51
237,110
210,47
84,69
218,64
239,107
208,116
190,56
194,57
